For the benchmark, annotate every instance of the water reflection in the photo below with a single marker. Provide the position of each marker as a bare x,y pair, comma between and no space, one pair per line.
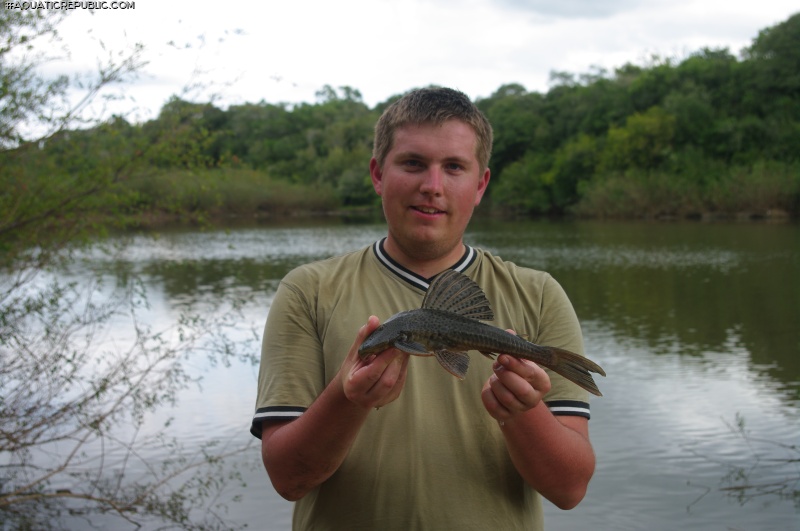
695,325
662,431
685,286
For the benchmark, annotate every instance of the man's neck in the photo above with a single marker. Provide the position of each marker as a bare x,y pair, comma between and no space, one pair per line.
425,264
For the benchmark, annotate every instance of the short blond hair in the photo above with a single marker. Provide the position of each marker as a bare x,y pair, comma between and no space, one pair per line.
433,105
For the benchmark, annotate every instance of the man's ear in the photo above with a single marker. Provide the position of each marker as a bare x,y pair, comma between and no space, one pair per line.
376,174
482,185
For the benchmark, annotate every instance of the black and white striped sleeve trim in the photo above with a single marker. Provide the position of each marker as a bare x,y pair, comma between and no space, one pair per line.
572,408
273,413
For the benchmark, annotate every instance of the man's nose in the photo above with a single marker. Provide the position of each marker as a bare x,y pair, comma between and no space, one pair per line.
432,181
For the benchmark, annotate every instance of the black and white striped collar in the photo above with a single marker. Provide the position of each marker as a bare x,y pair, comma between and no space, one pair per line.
412,278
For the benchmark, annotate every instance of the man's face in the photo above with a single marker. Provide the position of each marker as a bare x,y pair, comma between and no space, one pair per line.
430,184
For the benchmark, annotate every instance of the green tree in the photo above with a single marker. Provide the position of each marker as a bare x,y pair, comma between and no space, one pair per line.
519,125
25,96
525,187
771,77
40,197
695,116
775,56
644,142
574,164
182,136
66,402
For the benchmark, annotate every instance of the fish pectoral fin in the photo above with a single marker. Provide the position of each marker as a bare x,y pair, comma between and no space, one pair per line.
456,363
490,355
412,347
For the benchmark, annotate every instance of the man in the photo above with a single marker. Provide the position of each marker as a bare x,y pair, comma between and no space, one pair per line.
388,443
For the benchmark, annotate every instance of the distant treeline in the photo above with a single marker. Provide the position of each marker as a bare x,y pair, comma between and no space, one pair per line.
710,134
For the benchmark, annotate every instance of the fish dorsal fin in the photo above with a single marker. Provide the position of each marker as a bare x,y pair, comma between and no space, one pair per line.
454,292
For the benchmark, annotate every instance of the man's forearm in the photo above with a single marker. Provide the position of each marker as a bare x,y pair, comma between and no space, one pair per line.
300,454
553,454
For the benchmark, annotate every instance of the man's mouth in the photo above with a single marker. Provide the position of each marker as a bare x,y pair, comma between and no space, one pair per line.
428,210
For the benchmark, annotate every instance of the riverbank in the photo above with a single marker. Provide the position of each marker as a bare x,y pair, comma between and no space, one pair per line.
224,195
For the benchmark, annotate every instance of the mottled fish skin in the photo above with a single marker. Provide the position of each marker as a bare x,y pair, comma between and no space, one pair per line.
447,326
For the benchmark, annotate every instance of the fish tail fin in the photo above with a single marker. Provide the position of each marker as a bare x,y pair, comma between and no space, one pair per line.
575,368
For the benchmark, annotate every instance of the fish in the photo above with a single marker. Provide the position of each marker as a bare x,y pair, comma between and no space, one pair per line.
449,324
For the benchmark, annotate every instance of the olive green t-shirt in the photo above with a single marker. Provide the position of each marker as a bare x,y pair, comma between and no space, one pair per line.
433,459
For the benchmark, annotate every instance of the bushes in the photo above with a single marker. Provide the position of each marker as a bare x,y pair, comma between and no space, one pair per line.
762,189
227,192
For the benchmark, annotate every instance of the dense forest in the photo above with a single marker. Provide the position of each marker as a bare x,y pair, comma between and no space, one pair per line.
711,134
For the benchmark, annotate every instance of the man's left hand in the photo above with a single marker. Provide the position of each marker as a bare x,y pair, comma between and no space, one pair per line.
515,387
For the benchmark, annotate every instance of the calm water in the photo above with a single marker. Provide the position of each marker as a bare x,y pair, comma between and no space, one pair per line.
697,326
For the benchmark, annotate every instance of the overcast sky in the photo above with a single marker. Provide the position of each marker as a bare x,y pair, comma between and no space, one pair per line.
286,51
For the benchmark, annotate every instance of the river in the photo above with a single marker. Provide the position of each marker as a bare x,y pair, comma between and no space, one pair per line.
696,324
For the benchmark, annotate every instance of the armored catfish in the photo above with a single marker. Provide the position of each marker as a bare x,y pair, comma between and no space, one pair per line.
449,324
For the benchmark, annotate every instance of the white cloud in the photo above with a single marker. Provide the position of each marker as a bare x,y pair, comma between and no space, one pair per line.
577,9
286,51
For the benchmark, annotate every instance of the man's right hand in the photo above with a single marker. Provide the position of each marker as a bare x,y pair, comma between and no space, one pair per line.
377,380
300,454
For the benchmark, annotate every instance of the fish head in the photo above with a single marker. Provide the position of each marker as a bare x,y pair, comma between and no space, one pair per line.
384,337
